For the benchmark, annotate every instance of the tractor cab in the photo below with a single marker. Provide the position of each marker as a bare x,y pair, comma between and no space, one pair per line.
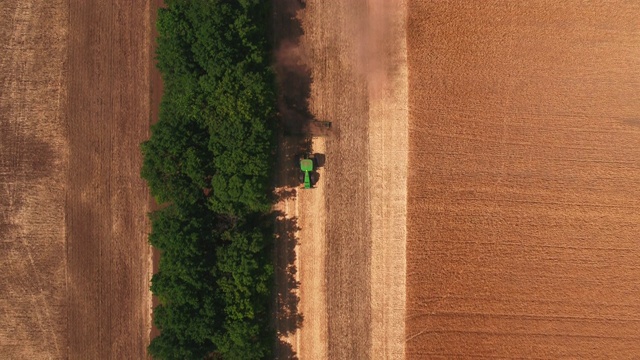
306,166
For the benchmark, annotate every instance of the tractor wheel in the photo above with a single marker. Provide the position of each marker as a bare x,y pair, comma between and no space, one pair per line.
314,177
301,177
315,161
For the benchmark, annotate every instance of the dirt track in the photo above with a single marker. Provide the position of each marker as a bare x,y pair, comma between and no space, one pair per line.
75,106
523,206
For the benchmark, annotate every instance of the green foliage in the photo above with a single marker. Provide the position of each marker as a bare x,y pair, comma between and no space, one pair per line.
214,61
209,158
169,346
244,280
177,163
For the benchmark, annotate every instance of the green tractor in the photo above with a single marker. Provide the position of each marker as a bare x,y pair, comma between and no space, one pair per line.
308,175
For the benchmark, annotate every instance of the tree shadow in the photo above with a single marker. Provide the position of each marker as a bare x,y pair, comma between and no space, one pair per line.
287,318
284,193
285,351
293,75
293,81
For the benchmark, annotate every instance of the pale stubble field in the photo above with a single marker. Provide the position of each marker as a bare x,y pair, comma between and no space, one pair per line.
75,106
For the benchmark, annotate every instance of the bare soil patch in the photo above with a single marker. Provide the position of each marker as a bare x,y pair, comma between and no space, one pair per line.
523,201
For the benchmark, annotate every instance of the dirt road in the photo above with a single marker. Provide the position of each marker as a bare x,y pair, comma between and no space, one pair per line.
75,106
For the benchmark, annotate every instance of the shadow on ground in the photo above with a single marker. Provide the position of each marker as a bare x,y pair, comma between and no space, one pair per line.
288,318
293,79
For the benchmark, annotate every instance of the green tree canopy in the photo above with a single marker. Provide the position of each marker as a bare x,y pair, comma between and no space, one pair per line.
209,161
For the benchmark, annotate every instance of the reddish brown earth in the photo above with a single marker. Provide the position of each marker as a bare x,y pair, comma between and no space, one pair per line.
75,106
107,201
523,189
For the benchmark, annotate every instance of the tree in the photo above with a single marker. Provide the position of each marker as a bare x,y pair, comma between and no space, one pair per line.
209,159
177,162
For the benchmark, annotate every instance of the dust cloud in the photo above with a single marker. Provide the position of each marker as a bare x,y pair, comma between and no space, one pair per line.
374,45
371,48
291,66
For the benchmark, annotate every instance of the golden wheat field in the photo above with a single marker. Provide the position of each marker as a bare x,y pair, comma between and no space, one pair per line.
524,183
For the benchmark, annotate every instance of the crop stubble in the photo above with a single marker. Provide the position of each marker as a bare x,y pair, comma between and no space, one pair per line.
338,94
356,53
107,201
523,196
75,106
33,157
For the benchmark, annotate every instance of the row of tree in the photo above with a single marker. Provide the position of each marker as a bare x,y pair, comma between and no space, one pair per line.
209,161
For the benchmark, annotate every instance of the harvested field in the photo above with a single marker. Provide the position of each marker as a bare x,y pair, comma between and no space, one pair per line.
523,196
74,101
33,164
107,201
349,259
339,94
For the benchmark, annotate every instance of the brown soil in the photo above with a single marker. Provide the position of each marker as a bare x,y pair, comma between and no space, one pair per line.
107,201
75,106
523,192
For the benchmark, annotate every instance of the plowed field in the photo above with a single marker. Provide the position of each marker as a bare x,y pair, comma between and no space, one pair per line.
524,182
74,102
107,201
